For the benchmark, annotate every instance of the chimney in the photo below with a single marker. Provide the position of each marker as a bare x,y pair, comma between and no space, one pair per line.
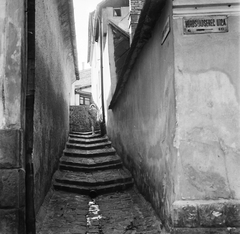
135,10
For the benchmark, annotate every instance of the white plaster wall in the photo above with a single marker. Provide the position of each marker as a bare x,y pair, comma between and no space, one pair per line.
96,75
72,95
77,98
107,76
11,48
208,113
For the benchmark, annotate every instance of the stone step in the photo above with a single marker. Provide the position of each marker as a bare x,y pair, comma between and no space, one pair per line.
98,190
89,169
89,153
93,179
84,133
90,164
87,141
89,146
84,136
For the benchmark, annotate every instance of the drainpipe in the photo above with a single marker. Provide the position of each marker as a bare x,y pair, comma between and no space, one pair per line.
30,96
103,123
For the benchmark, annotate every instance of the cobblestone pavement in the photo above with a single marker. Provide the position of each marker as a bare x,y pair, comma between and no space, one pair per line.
116,213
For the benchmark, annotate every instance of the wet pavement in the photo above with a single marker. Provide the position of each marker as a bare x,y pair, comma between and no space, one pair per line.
90,166
124,212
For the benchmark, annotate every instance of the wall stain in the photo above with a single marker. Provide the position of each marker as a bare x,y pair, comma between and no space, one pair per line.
223,147
208,182
3,98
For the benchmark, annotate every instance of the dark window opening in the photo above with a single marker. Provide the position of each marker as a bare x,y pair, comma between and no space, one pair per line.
117,12
85,101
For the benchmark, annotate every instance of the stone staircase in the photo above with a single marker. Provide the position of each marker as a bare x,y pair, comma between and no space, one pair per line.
90,166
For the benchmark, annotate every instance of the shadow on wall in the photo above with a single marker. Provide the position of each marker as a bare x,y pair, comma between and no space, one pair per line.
80,119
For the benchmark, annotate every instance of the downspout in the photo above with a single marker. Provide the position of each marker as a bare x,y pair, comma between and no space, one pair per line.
73,37
29,125
103,123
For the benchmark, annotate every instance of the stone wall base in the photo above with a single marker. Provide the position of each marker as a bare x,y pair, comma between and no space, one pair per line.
213,216
12,221
206,231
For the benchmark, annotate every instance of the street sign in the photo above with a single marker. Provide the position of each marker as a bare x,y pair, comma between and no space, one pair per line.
205,24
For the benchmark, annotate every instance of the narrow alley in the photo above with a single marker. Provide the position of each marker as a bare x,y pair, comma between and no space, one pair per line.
119,116
94,193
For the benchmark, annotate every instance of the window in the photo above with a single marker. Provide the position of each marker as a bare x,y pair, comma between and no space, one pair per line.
87,101
81,100
84,101
117,12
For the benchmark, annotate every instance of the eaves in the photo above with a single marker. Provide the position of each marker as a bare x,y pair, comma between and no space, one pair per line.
73,36
149,15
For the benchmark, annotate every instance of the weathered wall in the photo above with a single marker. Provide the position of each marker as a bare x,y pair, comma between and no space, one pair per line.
208,124
142,123
10,58
12,175
54,72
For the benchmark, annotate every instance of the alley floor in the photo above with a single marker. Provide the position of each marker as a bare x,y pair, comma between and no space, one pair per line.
125,212
93,193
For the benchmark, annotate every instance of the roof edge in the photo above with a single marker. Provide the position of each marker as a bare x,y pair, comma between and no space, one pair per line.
150,13
73,38
110,22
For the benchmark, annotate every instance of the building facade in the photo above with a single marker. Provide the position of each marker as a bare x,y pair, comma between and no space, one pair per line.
38,63
173,112
110,12
82,89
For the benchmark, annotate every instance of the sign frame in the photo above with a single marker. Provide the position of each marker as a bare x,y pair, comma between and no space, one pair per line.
205,24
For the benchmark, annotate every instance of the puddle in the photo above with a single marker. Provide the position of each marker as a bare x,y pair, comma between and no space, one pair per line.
93,215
